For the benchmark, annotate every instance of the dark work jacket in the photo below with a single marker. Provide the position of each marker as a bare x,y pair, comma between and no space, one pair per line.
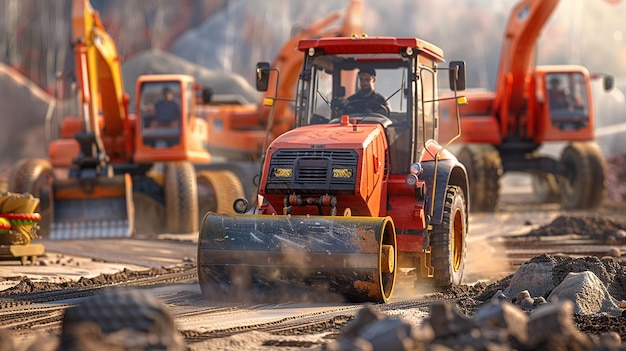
374,96
167,111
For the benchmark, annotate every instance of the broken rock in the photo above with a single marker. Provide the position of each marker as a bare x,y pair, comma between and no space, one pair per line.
587,293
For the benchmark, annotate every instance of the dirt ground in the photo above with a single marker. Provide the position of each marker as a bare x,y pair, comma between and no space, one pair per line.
469,298
611,270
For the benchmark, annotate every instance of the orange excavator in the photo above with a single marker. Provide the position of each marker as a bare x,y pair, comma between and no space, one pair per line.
240,132
112,173
530,107
109,165
354,191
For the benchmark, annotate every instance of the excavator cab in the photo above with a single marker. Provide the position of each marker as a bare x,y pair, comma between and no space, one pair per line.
567,100
160,113
167,127
563,98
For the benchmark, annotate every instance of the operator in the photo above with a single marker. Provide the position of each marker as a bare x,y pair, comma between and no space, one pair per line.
167,111
367,99
561,98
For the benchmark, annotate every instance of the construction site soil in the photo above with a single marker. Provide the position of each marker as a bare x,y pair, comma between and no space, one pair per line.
468,298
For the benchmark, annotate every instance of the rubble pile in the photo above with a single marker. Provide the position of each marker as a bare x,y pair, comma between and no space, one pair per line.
116,319
496,326
591,226
545,305
593,285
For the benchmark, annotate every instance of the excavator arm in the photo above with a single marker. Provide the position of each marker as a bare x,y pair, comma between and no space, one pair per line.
102,96
93,200
289,62
523,28
503,131
239,132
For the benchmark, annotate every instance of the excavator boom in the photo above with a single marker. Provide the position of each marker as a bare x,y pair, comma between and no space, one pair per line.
93,201
289,61
240,132
99,77
524,26
504,130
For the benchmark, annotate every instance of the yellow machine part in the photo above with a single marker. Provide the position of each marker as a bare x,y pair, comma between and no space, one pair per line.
262,257
13,229
101,207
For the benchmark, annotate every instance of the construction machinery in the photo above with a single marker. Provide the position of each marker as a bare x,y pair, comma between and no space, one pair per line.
107,159
18,226
532,106
242,131
348,198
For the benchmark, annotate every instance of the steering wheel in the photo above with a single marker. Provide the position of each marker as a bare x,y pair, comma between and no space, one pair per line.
363,105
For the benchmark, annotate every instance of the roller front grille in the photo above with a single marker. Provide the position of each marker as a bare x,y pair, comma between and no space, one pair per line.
312,171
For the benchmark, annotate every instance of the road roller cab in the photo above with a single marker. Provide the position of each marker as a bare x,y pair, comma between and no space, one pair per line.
359,189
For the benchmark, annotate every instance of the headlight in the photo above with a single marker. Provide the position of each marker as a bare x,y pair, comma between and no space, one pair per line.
342,172
282,172
411,180
416,169
268,101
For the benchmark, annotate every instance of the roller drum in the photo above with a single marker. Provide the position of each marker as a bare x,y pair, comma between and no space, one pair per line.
260,256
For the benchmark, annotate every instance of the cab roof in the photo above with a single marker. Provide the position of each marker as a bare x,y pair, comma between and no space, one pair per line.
371,45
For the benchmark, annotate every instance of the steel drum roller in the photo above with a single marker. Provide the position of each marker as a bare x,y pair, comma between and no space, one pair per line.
247,254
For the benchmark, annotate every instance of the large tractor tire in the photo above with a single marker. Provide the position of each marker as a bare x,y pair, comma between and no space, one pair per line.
545,187
484,170
36,177
577,183
217,191
448,240
181,201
